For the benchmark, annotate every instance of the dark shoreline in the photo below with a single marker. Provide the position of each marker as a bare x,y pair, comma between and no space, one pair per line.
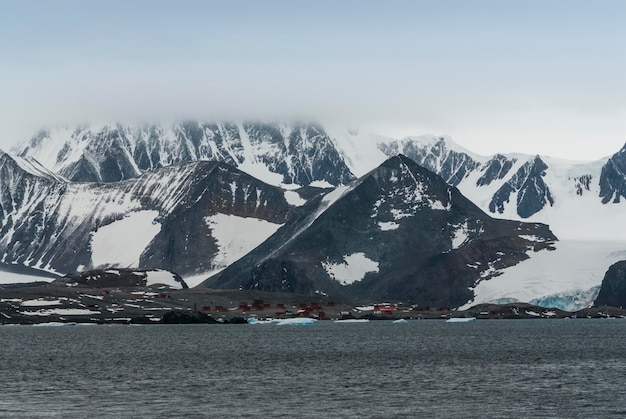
47,303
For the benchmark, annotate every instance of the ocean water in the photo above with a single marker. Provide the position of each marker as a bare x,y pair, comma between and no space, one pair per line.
483,369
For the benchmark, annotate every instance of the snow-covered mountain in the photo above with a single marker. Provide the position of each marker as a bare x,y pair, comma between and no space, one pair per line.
188,218
564,194
571,196
275,153
582,202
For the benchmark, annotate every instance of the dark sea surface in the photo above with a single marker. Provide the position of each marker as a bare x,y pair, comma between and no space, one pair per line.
572,368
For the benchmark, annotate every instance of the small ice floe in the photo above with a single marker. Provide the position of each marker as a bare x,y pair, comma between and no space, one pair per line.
352,321
400,321
298,321
460,319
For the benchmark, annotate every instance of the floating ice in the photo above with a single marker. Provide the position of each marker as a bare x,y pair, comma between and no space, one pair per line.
299,321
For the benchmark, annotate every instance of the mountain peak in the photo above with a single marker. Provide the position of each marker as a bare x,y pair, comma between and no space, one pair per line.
298,154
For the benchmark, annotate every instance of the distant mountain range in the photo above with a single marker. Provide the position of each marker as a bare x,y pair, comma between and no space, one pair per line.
331,210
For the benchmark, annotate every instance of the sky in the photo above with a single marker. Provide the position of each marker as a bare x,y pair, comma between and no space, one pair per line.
534,76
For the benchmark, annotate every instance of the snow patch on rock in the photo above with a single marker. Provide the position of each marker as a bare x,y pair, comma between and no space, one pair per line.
237,236
353,268
159,277
122,242
388,226
293,198
460,235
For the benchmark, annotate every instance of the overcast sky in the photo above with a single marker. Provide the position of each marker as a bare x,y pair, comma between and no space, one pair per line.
545,76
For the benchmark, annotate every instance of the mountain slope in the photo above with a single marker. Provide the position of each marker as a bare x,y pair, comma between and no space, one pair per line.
399,232
176,218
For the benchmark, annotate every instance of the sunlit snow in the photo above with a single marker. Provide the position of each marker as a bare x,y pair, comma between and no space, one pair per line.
122,242
353,269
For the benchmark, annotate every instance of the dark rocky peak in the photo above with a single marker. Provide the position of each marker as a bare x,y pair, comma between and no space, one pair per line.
398,232
495,169
402,183
527,183
613,178
613,288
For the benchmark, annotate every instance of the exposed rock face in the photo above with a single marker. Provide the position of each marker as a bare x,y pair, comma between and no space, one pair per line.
495,169
613,289
531,190
400,232
613,178
293,153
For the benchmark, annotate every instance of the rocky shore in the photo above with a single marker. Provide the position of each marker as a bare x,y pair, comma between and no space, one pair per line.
44,303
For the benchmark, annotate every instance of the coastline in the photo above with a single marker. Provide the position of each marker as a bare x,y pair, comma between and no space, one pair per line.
47,303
